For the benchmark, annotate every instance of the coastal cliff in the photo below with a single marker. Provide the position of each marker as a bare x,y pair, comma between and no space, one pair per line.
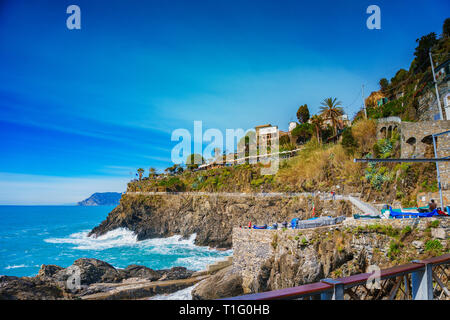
212,216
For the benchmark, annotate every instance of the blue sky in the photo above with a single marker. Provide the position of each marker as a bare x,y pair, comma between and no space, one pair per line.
80,110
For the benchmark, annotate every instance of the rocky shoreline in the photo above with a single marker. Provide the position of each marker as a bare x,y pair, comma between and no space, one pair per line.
88,277
211,217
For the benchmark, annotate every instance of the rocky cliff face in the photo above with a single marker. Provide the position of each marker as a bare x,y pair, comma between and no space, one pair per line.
211,217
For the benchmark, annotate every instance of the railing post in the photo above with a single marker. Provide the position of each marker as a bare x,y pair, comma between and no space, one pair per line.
422,282
337,292
326,295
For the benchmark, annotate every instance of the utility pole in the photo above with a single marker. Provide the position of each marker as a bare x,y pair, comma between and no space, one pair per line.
437,171
436,86
364,102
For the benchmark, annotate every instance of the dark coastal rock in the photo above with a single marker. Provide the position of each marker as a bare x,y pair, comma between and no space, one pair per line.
14,288
176,273
210,217
91,271
135,271
223,284
95,276
48,271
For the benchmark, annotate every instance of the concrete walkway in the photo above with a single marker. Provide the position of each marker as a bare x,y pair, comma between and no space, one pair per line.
363,206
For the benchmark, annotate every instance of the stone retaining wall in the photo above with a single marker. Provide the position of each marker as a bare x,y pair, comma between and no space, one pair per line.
253,248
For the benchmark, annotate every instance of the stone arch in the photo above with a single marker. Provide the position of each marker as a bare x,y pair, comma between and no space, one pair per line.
395,129
429,148
383,132
412,143
389,132
427,139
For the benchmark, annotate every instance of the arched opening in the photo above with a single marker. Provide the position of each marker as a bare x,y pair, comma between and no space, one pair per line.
389,132
383,132
427,140
412,142
429,148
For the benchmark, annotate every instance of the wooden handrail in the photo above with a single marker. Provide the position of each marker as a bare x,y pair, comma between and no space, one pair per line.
348,282
288,293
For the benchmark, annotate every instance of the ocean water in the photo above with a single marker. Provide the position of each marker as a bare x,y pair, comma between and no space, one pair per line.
34,235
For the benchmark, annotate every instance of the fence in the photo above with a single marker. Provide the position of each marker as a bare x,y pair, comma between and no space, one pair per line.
256,158
420,280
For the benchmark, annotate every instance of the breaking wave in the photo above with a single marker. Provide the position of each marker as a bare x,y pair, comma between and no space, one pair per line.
16,266
175,250
184,294
115,238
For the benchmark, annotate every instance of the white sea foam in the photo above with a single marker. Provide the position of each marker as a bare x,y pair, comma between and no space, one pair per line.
16,266
184,294
199,263
123,237
190,256
115,238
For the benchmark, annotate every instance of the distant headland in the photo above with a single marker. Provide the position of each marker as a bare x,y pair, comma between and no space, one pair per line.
102,199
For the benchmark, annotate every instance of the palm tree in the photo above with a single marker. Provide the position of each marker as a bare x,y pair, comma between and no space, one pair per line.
152,172
317,121
140,171
330,110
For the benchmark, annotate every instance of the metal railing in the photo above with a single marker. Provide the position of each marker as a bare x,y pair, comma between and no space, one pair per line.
420,280
257,158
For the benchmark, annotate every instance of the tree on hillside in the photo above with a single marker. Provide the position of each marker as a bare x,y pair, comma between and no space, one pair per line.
384,85
140,172
194,160
446,28
303,114
317,122
176,168
330,109
425,43
152,172
303,132
400,76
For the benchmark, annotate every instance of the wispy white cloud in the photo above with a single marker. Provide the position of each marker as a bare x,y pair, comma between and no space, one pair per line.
25,189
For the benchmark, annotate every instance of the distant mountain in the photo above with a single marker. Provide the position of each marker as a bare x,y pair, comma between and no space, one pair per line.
102,199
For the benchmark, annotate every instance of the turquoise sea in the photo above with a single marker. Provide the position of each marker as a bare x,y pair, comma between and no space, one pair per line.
34,235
